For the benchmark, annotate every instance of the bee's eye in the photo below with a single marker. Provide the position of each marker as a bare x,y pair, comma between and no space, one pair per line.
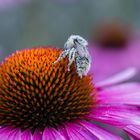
76,41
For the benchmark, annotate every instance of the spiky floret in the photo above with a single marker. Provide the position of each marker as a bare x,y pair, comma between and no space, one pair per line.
35,94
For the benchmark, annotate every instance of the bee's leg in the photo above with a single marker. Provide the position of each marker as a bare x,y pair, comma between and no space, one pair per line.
71,57
62,55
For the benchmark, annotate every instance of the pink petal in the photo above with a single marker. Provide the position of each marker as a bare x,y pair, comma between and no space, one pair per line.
63,132
14,135
37,135
3,133
74,131
26,135
74,135
8,133
133,130
133,138
52,134
100,133
118,115
120,77
128,93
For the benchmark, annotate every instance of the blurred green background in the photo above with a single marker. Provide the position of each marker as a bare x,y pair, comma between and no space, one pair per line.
44,22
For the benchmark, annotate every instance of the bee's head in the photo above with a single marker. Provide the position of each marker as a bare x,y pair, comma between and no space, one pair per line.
75,40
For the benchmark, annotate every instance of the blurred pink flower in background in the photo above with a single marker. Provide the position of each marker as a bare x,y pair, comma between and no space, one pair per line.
114,47
4,4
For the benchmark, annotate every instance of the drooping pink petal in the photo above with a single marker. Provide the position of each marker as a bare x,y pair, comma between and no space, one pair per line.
99,132
37,135
75,131
132,137
4,133
47,135
118,115
134,131
15,134
52,134
127,93
120,77
8,133
26,135
74,135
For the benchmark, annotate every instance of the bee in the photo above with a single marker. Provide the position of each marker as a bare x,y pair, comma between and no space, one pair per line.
76,50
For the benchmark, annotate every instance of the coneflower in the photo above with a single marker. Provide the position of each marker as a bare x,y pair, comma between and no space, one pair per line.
115,46
42,101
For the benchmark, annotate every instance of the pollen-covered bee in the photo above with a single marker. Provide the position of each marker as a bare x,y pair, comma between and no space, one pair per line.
76,50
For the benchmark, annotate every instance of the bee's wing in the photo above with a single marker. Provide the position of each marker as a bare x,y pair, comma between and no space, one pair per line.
82,51
83,65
